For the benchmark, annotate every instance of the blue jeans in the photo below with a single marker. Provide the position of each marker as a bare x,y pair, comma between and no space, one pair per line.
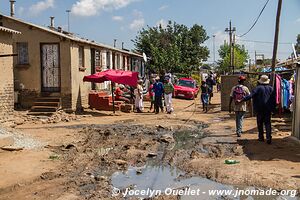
239,118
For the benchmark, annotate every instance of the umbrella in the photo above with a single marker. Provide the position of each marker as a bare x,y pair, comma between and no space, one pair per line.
118,76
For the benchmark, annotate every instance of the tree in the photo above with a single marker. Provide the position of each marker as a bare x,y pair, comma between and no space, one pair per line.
240,57
175,48
297,46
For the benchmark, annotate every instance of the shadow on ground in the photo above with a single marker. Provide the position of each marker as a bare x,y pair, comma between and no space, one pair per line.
280,149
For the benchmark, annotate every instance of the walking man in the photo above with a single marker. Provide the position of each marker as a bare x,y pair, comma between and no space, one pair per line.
237,94
205,91
263,104
158,89
210,82
168,90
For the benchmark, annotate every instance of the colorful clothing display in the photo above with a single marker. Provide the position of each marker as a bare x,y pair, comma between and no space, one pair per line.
284,92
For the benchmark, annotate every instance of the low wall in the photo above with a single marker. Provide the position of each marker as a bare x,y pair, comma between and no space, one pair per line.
227,82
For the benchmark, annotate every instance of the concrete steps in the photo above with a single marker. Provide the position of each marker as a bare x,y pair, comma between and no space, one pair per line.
45,105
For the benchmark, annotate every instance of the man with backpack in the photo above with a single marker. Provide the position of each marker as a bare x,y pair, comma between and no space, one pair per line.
237,94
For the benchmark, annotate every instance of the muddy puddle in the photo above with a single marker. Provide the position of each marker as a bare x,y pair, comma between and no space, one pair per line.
141,157
151,181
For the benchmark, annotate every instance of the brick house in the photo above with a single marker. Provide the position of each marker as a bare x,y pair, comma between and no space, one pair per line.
52,62
6,75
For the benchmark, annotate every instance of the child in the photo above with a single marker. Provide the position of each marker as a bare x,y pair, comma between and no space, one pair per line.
205,92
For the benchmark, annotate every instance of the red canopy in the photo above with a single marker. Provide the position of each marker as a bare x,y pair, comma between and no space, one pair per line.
117,76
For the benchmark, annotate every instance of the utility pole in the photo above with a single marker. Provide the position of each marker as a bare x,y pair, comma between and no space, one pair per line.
214,49
275,47
68,12
231,30
233,60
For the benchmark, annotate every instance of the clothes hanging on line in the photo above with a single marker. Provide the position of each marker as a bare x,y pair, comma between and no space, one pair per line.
284,92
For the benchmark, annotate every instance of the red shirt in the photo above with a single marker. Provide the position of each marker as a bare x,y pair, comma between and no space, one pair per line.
151,93
118,92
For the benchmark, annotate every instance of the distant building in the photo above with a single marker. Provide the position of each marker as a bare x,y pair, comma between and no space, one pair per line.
6,75
52,62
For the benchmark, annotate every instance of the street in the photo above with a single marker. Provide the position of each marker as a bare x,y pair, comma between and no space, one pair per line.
81,158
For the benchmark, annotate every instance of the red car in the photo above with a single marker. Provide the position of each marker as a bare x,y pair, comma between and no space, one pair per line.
186,88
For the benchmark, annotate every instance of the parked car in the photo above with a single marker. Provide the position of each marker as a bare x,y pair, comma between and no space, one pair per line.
186,88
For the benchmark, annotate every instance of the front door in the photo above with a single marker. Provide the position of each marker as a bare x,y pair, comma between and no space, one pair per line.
50,68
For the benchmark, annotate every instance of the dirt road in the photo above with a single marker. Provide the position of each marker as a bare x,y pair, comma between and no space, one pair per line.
79,159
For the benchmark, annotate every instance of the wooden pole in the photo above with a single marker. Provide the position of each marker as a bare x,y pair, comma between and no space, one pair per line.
113,97
275,47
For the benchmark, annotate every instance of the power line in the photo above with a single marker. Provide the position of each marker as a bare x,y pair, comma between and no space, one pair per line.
256,19
264,42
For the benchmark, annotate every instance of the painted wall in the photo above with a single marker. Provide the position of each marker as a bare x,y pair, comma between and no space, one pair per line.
80,89
6,77
30,75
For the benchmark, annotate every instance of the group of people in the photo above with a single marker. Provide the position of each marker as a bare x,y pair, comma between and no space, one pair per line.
157,91
207,91
263,104
160,94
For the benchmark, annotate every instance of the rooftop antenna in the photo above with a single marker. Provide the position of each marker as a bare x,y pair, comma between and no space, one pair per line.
68,12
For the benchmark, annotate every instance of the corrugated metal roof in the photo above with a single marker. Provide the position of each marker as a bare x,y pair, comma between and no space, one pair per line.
72,37
9,30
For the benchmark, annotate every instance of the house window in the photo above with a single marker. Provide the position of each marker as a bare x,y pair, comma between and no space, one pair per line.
97,58
108,60
81,57
118,61
22,49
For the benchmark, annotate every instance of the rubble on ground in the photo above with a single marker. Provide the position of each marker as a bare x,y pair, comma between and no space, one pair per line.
18,141
21,117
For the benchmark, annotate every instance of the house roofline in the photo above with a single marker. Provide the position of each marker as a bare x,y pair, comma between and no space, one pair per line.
4,29
72,37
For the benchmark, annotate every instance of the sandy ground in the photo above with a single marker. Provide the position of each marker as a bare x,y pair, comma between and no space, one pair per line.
79,156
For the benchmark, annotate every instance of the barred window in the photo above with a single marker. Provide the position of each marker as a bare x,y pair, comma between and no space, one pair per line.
97,58
81,57
22,49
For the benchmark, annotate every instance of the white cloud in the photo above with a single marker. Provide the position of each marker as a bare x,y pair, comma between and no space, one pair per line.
41,6
117,18
220,37
21,11
162,22
94,7
163,7
137,24
298,20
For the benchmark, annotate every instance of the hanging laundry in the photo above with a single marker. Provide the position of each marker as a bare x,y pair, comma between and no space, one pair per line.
278,89
286,93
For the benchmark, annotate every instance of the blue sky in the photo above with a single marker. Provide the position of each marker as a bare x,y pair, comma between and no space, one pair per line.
105,20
